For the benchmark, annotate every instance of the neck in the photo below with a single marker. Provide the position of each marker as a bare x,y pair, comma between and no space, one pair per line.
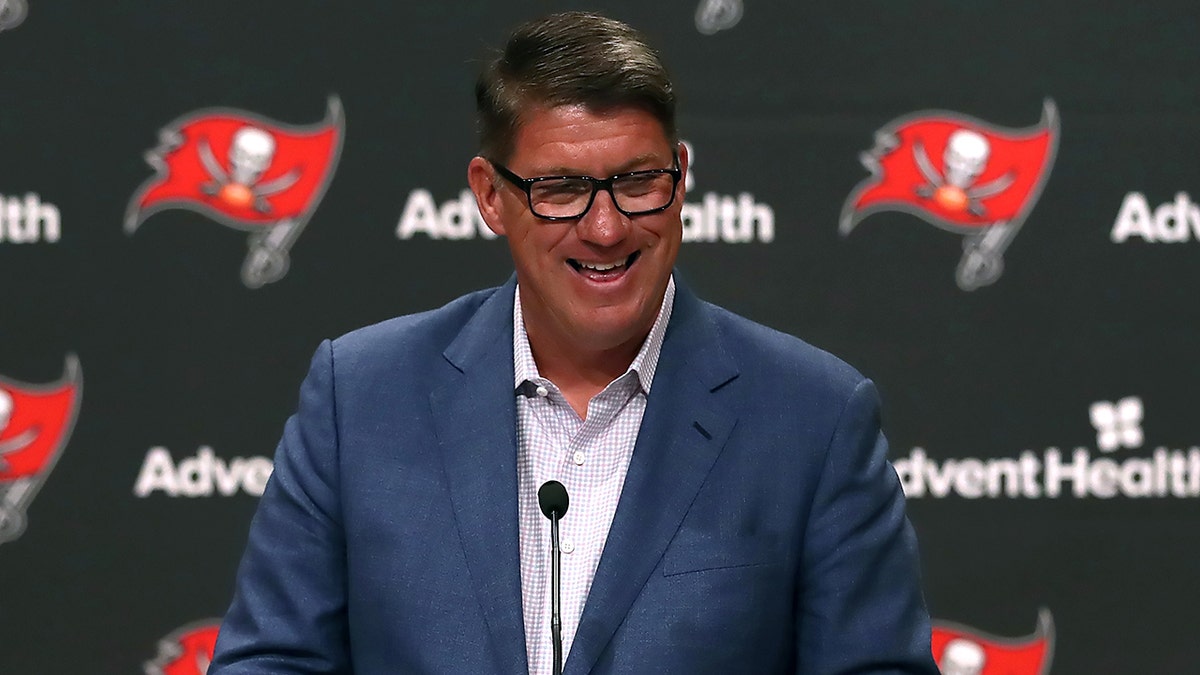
601,366
581,373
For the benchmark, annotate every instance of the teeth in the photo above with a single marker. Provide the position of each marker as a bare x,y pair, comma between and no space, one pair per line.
602,267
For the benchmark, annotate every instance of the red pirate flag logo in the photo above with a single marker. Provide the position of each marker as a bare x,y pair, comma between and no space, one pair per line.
12,13
186,651
962,175
965,651
35,423
246,172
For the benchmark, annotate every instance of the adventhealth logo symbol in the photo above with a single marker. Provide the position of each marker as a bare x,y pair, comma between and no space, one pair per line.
1118,424
714,217
1053,473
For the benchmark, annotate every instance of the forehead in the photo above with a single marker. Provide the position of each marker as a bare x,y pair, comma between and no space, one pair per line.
578,139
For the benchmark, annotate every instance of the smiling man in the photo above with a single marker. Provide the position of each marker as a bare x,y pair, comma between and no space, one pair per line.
731,509
593,257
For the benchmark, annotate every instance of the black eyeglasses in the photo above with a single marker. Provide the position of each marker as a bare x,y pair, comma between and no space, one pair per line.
569,197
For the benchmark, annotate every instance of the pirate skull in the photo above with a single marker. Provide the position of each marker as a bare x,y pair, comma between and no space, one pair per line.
6,408
713,16
12,13
962,657
966,155
250,155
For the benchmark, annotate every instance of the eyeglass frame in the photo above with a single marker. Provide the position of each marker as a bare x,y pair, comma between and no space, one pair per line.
606,184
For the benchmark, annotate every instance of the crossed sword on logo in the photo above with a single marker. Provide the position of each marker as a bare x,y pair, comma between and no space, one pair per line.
250,156
14,444
11,519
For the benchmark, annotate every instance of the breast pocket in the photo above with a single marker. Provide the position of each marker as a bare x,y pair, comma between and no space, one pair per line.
699,552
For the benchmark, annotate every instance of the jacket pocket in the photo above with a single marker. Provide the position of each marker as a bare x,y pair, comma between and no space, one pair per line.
692,552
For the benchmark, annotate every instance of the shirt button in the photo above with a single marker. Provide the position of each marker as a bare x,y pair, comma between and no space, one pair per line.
542,391
567,546
578,457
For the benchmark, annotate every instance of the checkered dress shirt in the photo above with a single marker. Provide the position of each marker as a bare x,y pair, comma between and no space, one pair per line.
590,457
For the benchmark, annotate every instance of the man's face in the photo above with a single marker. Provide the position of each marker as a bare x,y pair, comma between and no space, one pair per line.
596,282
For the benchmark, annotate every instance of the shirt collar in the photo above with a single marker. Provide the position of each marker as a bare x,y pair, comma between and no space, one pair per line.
644,364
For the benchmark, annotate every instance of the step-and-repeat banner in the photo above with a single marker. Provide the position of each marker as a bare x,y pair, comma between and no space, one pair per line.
984,206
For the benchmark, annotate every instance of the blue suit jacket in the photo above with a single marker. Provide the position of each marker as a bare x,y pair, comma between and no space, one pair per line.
760,530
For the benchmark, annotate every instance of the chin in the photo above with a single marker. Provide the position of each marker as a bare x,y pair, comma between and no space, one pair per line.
604,332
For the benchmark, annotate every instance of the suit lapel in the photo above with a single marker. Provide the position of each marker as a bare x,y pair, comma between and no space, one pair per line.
474,414
682,434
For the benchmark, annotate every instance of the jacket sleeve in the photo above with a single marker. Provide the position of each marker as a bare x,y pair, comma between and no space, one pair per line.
861,608
289,607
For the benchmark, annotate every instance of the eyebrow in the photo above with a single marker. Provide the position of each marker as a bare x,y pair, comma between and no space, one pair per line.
628,166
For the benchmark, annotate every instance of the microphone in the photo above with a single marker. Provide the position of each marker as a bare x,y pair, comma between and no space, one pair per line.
552,498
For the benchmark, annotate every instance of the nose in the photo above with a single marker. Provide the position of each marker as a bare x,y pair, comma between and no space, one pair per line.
603,224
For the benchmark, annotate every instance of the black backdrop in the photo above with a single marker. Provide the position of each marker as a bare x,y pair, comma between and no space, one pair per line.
185,368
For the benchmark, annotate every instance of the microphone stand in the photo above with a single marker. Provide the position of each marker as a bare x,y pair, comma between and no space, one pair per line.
553,500
555,594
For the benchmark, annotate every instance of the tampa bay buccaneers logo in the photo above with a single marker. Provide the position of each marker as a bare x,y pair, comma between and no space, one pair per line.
246,172
962,175
960,650
35,423
12,13
186,651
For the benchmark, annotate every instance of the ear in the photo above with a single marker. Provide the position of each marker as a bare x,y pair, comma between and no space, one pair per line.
481,176
683,169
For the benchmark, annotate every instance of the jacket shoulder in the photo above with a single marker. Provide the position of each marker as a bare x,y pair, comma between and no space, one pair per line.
412,338
765,354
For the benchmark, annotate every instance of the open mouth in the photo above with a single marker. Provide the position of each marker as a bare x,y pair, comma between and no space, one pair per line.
604,271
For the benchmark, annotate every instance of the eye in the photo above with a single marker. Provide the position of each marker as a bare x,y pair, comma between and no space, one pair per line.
560,191
640,184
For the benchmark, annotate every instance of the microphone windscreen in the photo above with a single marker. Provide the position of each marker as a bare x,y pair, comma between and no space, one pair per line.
552,497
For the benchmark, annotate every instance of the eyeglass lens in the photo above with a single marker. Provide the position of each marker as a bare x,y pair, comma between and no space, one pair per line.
570,197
